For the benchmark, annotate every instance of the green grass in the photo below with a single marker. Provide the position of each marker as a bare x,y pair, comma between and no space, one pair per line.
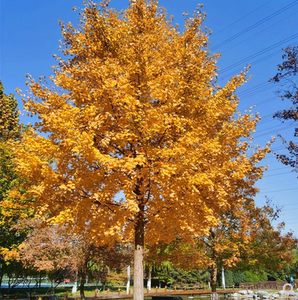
60,291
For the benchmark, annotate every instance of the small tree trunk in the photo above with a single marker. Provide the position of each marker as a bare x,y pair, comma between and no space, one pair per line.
82,285
213,271
128,280
223,278
138,283
149,278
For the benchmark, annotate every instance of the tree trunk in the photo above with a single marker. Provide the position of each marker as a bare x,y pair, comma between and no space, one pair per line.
82,285
223,280
138,293
128,280
149,278
213,271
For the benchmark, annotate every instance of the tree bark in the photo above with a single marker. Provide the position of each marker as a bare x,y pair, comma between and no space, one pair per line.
213,271
128,281
82,285
223,278
138,293
149,278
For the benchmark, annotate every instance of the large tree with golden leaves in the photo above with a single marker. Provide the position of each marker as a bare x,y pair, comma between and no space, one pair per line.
135,114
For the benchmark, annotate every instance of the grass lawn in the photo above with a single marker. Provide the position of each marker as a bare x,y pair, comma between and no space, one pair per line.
60,291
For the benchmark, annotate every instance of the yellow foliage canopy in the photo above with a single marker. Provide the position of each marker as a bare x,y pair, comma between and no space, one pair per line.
136,113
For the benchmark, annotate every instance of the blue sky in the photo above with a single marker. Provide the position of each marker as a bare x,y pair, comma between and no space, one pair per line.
245,32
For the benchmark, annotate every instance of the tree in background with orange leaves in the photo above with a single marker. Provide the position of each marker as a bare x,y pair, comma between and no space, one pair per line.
244,238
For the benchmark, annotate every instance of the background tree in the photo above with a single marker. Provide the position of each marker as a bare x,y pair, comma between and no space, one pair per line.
10,127
54,247
268,249
250,242
244,239
126,118
10,130
287,75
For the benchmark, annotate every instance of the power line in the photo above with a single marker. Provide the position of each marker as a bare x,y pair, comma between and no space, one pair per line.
278,44
256,24
276,183
253,63
262,122
255,88
279,148
286,17
240,19
289,205
275,169
282,173
278,191
287,224
262,130
267,120
253,93
274,131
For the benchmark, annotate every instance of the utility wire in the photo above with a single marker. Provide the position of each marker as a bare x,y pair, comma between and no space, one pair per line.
257,91
255,88
269,48
276,126
262,122
243,41
273,131
279,148
240,19
282,173
256,24
275,169
259,88
279,191
253,63
275,183
266,117
290,204
267,120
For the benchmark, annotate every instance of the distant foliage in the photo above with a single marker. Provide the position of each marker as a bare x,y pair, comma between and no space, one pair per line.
287,76
253,277
9,116
10,238
237,277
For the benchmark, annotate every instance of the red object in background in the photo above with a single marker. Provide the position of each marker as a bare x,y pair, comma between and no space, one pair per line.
67,281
